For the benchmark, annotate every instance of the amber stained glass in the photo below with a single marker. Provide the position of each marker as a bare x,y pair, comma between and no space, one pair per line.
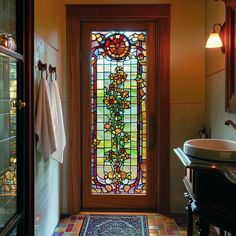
118,80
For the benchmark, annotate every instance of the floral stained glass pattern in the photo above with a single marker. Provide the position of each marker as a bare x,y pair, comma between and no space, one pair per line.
118,71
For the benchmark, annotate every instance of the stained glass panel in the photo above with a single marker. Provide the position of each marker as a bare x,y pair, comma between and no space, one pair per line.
118,79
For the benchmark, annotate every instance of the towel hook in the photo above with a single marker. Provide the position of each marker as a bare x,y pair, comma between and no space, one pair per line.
53,70
42,67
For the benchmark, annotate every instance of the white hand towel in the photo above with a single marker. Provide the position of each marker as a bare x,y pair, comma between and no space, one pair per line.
46,142
58,122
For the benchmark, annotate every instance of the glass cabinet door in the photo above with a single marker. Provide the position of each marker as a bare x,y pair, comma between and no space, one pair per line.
14,49
8,157
16,126
11,57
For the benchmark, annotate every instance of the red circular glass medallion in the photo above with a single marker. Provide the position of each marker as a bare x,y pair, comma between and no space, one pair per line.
117,46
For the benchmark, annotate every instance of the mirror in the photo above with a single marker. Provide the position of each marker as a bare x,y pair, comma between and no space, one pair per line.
230,47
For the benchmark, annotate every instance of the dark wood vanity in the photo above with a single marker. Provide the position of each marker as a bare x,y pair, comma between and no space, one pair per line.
211,194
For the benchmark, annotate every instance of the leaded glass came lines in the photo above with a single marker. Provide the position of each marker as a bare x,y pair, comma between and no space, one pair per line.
118,79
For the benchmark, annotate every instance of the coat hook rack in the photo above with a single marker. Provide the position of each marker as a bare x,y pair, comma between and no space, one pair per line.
52,69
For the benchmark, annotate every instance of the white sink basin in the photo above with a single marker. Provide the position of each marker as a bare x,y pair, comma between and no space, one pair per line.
211,149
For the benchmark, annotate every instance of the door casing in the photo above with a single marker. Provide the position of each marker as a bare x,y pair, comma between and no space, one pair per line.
160,15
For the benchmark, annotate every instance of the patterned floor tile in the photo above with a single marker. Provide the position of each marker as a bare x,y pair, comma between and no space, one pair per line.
159,225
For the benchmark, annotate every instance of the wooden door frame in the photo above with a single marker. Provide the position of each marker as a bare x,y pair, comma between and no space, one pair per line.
160,13
128,202
28,96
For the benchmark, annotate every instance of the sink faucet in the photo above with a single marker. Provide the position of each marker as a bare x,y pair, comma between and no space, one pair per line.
230,122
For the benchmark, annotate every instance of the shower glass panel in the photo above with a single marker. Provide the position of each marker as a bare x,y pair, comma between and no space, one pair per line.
8,159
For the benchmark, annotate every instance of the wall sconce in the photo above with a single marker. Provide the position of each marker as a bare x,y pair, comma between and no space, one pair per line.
215,39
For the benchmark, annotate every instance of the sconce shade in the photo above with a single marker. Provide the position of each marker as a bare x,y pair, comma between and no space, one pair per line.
214,41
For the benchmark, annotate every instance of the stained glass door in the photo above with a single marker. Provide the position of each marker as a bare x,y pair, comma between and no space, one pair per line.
118,101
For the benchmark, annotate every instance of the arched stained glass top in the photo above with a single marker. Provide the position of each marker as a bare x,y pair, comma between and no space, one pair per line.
118,79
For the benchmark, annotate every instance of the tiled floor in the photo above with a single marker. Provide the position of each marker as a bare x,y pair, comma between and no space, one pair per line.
158,225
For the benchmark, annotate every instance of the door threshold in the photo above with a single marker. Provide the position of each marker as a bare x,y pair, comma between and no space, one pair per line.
117,213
